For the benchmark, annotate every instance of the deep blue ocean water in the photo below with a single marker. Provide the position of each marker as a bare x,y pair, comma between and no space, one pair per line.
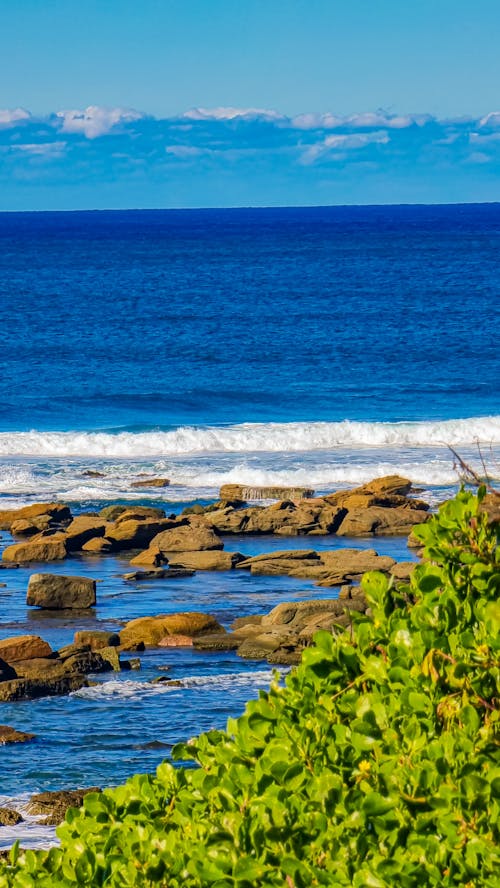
314,346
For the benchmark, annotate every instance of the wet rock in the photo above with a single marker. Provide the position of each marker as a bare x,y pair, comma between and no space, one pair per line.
216,641
151,630
96,639
9,817
112,513
82,529
52,806
31,689
24,647
176,641
38,548
57,512
170,573
205,560
152,482
245,493
11,735
56,592
6,671
91,473
98,546
149,558
190,534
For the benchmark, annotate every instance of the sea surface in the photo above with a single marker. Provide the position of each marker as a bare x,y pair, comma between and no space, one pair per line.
319,347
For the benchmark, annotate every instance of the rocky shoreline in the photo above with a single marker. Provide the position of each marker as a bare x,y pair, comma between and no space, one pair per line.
168,547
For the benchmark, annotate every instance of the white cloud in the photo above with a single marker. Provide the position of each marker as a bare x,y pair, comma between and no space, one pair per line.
223,113
343,143
492,119
366,120
41,149
183,151
12,117
95,121
317,121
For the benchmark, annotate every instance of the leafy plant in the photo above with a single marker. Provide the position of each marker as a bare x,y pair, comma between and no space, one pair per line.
376,765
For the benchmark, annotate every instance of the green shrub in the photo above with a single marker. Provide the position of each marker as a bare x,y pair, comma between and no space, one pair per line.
376,765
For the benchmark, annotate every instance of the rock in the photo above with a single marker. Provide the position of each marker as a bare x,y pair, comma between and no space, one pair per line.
91,473
8,817
132,533
37,549
176,641
56,592
151,630
10,735
7,672
111,656
243,493
216,641
24,647
376,520
57,512
403,570
190,534
112,513
149,558
52,806
293,614
152,482
68,662
31,689
96,639
81,530
23,527
170,573
98,546
211,559
280,562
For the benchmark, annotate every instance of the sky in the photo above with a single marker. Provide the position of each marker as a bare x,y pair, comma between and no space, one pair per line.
121,103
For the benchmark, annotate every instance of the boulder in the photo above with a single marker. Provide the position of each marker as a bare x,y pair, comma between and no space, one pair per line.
112,513
245,493
152,482
176,641
98,546
36,549
403,570
96,639
82,529
10,735
23,527
52,806
211,559
31,689
151,630
24,647
190,534
149,558
56,592
56,512
376,520
135,533
8,817
6,671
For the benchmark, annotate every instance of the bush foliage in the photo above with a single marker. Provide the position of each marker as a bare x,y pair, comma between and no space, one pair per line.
376,765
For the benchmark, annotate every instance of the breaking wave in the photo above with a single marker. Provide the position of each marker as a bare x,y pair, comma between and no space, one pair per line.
251,437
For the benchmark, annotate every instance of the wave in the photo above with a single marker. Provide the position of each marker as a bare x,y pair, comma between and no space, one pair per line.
119,690
251,437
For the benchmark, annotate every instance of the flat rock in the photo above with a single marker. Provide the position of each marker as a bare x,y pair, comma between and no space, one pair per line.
212,559
151,630
24,647
245,493
169,573
36,549
55,592
113,513
82,529
96,639
152,482
57,512
190,534
31,689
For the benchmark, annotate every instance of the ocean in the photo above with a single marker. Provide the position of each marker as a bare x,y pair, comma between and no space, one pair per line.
319,347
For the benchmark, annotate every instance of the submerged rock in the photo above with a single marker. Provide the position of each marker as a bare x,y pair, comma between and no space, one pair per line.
11,735
152,482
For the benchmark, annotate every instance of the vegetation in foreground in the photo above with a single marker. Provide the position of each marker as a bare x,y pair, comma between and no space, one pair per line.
376,765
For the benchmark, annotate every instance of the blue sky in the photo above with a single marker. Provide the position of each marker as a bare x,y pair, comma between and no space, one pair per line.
118,103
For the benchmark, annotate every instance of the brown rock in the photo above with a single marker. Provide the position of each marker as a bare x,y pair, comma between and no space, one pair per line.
378,520
24,647
8,817
206,560
31,689
131,533
149,558
151,630
57,512
244,493
176,641
7,672
98,546
216,641
81,530
96,639
10,735
158,573
190,534
112,513
52,806
37,549
403,570
152,482
56,592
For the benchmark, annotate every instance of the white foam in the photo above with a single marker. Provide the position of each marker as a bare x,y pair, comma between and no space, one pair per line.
251,437
120,690
30,833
